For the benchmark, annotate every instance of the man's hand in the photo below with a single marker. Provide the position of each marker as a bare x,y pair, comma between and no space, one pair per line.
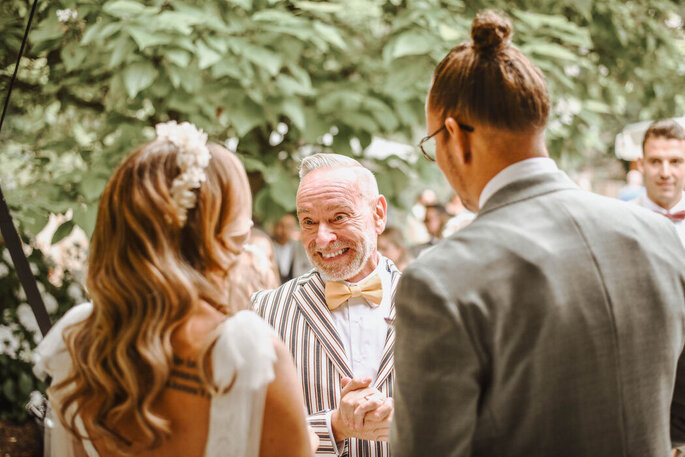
363,412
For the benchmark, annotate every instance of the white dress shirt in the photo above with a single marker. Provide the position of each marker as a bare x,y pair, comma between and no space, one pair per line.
363,331
645,201
515,172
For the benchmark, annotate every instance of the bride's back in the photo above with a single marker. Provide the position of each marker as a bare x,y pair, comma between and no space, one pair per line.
185,401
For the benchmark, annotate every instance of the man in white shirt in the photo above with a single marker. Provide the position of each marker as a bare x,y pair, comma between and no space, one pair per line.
663,167
335,318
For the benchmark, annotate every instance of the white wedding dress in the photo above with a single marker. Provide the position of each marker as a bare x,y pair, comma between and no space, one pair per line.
244,346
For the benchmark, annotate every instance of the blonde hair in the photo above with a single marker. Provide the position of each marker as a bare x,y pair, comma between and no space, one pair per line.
146,276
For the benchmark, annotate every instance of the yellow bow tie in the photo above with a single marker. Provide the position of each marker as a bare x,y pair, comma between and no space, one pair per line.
338,293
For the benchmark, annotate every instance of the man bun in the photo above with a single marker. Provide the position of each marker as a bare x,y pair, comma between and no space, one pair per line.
486,80
490,32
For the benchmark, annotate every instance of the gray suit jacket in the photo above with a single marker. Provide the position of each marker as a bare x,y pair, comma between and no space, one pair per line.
552,325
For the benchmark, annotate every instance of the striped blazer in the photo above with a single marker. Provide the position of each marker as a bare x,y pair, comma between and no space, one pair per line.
297,311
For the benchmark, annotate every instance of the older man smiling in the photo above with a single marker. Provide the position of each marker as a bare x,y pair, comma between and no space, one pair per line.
333,318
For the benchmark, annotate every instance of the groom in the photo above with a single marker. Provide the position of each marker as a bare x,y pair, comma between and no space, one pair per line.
334,318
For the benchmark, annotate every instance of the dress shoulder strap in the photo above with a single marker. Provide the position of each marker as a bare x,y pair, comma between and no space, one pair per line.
51,357
245,350
242,359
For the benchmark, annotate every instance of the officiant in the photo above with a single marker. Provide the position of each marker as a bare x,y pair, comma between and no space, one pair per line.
334,318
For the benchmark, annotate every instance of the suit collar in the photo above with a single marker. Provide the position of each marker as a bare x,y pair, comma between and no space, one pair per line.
528,188
387,359
310,298
514,172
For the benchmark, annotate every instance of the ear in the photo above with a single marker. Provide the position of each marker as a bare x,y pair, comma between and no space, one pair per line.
640,165
460,139
380,214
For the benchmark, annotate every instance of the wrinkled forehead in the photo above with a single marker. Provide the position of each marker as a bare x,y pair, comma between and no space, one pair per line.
332,189
356,180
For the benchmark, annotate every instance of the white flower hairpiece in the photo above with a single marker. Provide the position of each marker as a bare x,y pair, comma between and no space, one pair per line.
193,158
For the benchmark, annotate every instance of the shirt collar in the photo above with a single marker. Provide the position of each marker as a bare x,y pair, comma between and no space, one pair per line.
649,204
515,172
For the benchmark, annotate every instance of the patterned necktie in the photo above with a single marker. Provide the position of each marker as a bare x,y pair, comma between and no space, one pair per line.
675,217
338,293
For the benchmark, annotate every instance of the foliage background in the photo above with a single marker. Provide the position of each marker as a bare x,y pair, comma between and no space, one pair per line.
281,78
19,332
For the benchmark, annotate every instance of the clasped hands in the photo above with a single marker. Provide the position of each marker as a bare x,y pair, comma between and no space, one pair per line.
363,412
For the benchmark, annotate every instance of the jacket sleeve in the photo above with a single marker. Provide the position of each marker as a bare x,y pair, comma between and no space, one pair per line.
437,371
678,406
321,424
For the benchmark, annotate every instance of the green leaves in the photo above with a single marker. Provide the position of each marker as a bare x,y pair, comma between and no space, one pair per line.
126,8
179,57
138,76
331,72
245,116
145,38
408,44
330,34
206,55
262,57
72,56
549,50
319,7
62,231
295,111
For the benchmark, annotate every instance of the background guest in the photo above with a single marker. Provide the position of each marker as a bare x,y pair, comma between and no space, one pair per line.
391,244
290,255
435,219
334,318
633,188
460,216
663,166
415,230
255,268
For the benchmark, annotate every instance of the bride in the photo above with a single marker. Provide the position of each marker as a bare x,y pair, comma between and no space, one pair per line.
164,362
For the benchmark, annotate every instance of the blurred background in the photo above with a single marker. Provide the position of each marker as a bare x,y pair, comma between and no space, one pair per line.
275,80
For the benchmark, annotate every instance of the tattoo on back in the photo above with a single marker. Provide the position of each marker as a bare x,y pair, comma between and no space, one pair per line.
184,377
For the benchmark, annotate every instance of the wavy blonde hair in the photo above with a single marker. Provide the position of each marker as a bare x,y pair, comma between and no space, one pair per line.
146,275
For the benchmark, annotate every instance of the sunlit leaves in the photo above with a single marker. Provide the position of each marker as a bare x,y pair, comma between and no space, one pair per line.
138,76
337,73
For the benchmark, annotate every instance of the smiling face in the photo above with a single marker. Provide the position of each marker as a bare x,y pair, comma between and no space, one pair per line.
663,167
340,222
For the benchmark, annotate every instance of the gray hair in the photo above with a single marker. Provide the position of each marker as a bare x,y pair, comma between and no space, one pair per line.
330,160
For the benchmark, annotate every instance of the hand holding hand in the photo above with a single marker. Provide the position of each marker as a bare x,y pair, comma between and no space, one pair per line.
363,412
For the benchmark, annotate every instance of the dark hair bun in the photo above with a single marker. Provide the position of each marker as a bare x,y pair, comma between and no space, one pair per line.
490,32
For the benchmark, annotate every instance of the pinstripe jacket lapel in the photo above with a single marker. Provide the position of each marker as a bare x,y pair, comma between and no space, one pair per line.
387,360
310,298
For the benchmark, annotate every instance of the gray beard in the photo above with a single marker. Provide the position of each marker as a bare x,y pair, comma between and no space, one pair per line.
368,247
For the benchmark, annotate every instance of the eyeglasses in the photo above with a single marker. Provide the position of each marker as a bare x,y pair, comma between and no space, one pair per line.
428,145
